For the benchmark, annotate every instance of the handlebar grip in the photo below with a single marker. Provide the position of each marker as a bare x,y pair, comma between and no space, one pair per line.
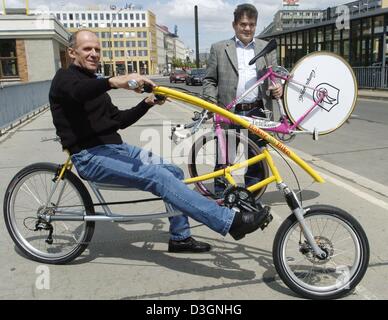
147,88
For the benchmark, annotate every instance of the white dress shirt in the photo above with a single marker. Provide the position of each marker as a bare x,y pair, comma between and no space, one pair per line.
247,75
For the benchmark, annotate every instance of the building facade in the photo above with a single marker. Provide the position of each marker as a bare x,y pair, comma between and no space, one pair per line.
362,40
31,48
128,37
292,18
170,48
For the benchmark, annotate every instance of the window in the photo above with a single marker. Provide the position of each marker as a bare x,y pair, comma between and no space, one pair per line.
130,44
107,16
126,25
96,25
125,16
107,54
58,16
143,53
64,16
8,60
65,25
77,16
71,25
120,16
90,25
119,53
131,16
89,16
130,34
119,44
120,25
138,24
71,16
131,53
132,25
83,16
143,24
137,16
143,17
142,44
101,16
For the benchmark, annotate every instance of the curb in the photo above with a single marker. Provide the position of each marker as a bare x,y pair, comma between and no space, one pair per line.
380,98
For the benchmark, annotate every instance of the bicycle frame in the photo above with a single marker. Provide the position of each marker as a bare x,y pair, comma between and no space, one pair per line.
284,125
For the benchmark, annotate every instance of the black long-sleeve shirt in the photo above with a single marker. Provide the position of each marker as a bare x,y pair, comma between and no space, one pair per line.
83,113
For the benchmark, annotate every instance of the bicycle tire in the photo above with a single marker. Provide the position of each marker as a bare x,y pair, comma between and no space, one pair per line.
344,277
331,119
33,182
206,187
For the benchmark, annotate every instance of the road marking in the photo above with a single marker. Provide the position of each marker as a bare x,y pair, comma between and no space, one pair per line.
350,176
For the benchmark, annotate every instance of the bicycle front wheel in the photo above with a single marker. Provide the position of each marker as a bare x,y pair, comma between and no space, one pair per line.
32,192
343,240
204,158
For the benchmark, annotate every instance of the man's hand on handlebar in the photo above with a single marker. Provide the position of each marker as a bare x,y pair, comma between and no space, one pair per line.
155,99
123,82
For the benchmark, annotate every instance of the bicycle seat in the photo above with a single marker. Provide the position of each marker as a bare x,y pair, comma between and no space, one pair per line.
112,187
272,45
107,186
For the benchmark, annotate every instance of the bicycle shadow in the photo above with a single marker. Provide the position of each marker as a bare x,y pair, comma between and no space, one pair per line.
225,260
275,197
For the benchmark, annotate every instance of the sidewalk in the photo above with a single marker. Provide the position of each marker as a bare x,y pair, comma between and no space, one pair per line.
377,94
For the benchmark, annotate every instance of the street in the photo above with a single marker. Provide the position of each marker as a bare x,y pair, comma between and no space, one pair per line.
130,261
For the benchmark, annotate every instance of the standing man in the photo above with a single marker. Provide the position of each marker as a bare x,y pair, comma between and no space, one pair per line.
87,123
229,74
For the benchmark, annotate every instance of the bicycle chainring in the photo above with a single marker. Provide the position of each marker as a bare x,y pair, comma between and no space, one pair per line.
241,198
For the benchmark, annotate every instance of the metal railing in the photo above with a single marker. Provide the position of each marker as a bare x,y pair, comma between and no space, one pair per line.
18,101
371,77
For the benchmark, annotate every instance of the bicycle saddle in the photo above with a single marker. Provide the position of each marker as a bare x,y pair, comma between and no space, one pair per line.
267,49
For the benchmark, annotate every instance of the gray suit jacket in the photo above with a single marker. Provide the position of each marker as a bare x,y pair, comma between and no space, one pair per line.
221,80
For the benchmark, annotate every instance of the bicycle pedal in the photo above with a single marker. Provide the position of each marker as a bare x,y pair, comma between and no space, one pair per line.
268,218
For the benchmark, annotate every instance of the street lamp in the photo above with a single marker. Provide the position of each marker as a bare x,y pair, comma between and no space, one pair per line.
111,41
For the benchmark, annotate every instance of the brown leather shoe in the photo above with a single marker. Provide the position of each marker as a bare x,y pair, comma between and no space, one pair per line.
188,245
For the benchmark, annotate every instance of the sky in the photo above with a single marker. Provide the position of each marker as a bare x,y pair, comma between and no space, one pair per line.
215,16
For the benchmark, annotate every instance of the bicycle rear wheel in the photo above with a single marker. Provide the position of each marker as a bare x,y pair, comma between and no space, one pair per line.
27,196
203,160
343,240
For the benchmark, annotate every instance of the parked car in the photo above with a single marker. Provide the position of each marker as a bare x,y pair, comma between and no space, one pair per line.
195,76
178,75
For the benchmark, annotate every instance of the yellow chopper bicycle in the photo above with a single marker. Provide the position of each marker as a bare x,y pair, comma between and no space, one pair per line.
320,251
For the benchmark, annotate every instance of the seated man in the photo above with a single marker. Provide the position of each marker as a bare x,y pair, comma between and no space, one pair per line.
87,123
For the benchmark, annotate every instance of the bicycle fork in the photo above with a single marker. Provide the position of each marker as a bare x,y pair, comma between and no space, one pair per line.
299,212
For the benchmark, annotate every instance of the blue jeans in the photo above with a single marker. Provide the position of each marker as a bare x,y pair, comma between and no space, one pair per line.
131,166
